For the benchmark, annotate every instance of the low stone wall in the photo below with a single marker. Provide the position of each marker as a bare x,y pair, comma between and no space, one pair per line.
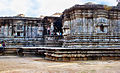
83,54
49,41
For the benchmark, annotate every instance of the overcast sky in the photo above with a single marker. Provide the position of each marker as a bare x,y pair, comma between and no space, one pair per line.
36,8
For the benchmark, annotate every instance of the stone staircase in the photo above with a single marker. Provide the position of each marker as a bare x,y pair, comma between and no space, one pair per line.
78,54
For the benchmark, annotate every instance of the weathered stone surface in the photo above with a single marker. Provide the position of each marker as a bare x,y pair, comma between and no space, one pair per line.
91,26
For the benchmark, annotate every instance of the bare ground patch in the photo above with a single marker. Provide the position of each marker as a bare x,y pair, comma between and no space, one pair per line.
13,64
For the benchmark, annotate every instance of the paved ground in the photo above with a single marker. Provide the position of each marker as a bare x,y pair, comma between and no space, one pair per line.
13,64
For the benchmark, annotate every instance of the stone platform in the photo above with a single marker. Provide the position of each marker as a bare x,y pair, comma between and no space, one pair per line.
71,54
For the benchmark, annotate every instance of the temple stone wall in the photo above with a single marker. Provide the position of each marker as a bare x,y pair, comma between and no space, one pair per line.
91,26
19,32
28,32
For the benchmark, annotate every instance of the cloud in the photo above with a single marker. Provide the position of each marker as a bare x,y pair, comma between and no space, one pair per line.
51,6
106,2
42,7
13,7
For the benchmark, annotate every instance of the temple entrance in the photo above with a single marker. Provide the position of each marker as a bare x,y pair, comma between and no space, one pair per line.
18,33
102,27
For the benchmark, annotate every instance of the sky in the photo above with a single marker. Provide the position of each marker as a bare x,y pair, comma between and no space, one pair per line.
36,8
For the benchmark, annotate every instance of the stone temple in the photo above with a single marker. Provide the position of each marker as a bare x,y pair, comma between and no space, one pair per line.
82,32
81,26
91,25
